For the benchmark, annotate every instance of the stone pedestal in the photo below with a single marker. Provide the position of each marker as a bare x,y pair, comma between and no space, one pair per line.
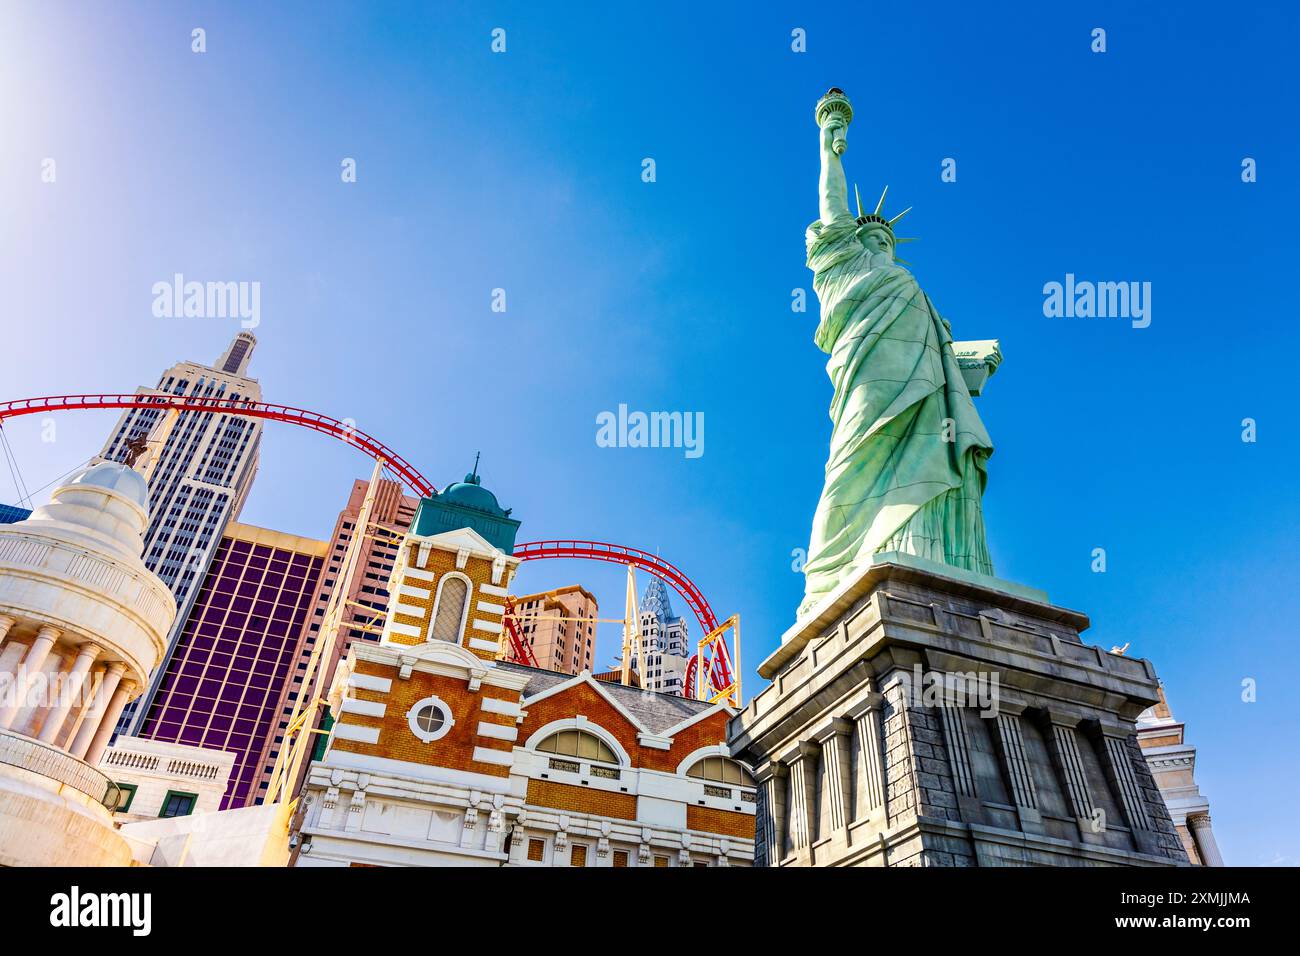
927,716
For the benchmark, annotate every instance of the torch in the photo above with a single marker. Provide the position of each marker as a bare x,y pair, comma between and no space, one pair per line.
835,103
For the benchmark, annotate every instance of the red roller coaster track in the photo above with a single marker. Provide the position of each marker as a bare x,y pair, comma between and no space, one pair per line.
617,554
344,432
409,476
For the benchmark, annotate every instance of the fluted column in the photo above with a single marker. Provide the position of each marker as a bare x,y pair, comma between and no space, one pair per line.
954,735
834,740
1203,834
802,762
74,687
771,779
9,655
1065,748
1014,761
867,728
90,724
1120,765
30,665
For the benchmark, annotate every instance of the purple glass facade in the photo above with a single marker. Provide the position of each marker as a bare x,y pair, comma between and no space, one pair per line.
233,656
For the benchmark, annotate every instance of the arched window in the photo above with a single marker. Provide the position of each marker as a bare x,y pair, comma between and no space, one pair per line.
578,743
453,595
721,770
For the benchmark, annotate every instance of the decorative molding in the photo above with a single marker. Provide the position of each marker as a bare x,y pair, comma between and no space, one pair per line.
366,708
362,735
502,758
370,682
498,731
495,705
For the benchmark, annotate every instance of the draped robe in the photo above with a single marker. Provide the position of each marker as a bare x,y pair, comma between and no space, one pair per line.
893,483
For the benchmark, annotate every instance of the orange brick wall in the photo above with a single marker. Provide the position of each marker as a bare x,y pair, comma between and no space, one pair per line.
725,822
396,742
709,732
455,750
563,796
478,570
583,700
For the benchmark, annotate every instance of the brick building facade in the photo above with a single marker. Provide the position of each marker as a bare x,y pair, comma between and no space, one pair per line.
442,754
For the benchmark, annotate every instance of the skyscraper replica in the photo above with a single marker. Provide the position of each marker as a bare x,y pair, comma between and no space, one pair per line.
365,592
444,754
223,684
560,627
200,468
663,635
922,711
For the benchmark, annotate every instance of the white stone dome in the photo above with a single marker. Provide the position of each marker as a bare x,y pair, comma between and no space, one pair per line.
76,564
107,505
119,478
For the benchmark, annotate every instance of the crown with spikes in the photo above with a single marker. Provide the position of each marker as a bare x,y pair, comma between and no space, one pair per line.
876,217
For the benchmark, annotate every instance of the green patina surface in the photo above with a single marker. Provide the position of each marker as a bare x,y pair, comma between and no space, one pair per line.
906,470
467,504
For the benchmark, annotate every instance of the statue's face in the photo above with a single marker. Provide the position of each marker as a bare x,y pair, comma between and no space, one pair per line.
876,239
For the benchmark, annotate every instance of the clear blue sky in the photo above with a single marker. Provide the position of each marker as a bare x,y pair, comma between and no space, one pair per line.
523,171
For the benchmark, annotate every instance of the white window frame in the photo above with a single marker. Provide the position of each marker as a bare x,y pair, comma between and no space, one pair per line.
464,615
427,736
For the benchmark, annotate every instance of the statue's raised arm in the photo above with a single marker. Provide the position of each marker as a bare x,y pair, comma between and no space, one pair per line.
833,116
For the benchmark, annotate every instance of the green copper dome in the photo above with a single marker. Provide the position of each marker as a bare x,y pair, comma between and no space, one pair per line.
472,494
467,504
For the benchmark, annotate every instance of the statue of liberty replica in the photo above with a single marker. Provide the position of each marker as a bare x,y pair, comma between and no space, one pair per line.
908,451
920,711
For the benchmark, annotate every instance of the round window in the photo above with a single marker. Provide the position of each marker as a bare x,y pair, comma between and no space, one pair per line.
430,719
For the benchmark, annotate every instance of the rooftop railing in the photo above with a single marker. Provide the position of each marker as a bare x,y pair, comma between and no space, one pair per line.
28,754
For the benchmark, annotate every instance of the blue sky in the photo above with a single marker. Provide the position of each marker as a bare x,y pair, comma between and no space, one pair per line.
522,171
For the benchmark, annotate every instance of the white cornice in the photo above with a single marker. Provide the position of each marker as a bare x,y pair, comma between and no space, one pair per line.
441,657
462,539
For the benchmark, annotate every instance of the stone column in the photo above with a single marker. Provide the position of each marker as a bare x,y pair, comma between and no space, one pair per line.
109,721
1206,845
771,825
10,652
802,762
1115,749
74,687
1013,757
90,724
866,728
1065,750
1011,746
954,734
834,740
31,663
